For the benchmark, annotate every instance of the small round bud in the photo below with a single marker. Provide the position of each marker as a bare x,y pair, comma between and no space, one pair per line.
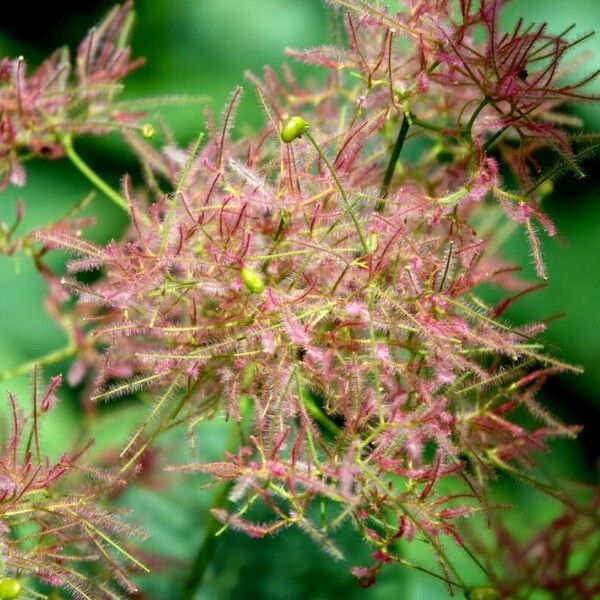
148,130
10,588
252,280
294,128
483,593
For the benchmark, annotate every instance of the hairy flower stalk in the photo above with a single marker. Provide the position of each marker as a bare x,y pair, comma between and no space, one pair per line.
326,272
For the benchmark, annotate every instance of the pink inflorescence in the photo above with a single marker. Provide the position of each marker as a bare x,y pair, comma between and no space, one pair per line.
322,283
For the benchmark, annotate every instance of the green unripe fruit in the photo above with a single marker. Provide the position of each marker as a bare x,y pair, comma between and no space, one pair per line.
10,588
148,130
483,593
252,280
294,128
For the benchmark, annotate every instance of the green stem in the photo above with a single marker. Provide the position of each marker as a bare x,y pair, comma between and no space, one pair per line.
43,361
406,122
426,125
389,173
342,191
206,550
447,267
411,565
475,114
318,415
474,558
91,175
538,485
495,137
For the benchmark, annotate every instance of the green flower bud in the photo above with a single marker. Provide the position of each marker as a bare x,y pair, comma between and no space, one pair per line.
252,280
294,128
148,130
10,588
483,593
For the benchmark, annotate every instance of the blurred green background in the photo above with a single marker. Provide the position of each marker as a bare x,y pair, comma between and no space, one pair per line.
202,47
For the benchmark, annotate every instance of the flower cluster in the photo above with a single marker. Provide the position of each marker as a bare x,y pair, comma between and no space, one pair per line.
53,528
317,284
41,112
312,279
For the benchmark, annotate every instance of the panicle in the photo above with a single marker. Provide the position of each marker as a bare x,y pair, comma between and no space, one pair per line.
317,273
53,525
40,112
